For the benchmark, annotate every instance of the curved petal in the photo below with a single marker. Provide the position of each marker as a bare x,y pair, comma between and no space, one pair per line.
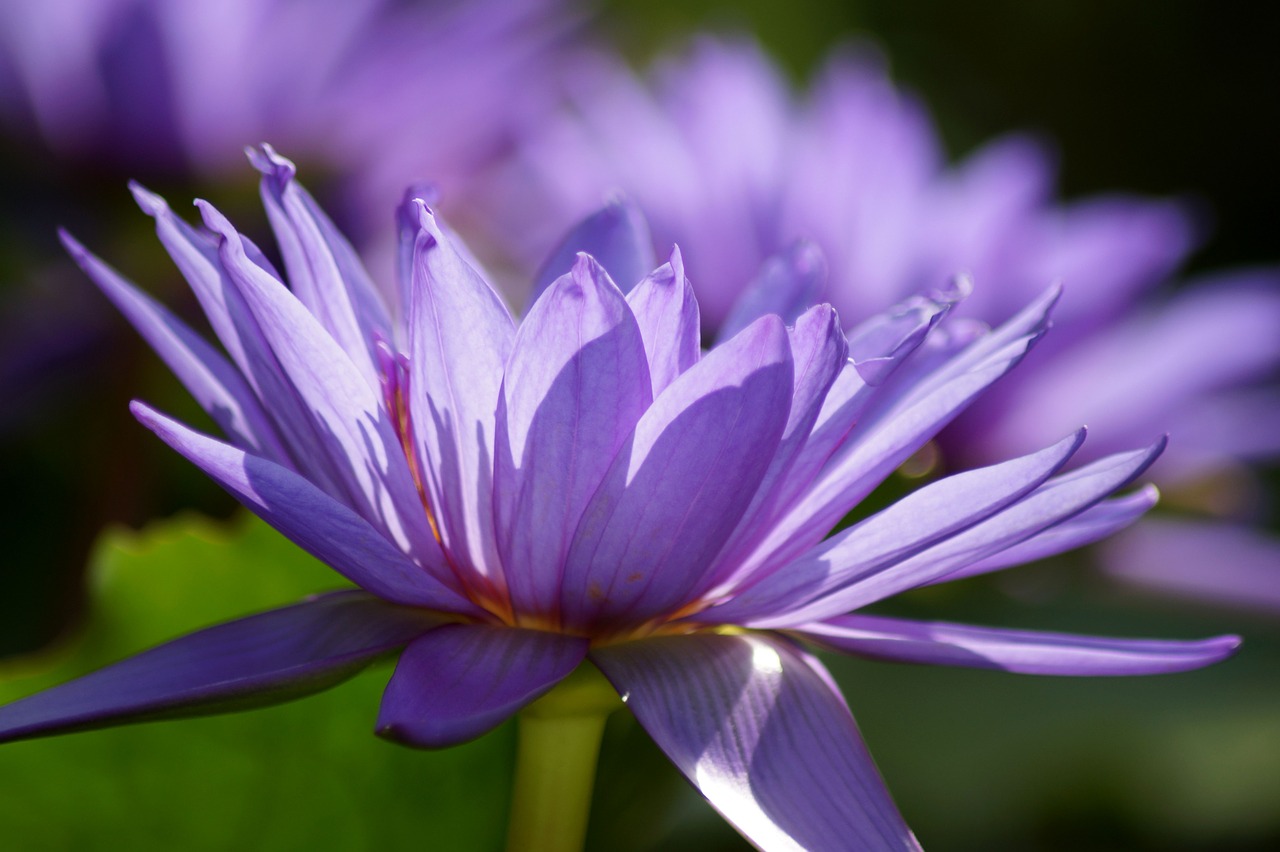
207,375
460,681
324,271
1052,503
667,311
1023,651
313,520
696,458
757,726
460,336
577,382
364,454
263,659
617,236
916,522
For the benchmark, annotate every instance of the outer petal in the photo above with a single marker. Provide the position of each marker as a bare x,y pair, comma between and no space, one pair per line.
365,456
758,728
208,376
1093,524
913,524
259,660
577,382
324,270
310,518
667,311
617,236
459,681
696,459
460,338
1024,651
1050,504
788,284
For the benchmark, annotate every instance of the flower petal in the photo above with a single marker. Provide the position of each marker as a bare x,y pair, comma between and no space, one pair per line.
667,311
460,681
214,383
577,382
617,236
696,459
788,284
916,522
1023,651
313,520
460,337
757,726
1093,524
324,271
263,659
1052,503
364,454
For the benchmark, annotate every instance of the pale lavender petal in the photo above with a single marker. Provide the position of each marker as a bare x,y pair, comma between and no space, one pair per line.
577,383
900,419
911,525
1052,503
879,344
324,271
460,681
1093,524
617,236
757,726
365,455
460,337
1023,651
667,311
818,356
668,504
787,285
1203,561
263,659
311,519
214,383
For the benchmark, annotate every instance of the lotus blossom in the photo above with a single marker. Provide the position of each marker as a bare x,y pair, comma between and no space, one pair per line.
589,487
720,154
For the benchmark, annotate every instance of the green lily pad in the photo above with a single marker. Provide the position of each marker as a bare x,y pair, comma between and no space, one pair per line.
305,775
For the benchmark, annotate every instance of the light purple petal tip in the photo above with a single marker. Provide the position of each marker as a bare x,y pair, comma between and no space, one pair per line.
617,236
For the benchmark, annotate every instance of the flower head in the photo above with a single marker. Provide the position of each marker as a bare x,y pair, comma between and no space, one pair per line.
515,500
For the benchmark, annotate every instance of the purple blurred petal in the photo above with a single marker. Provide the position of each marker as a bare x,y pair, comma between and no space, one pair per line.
1023,651
1203,561
913,524
460,681
617,236
667,311
314,521
577,383
695,461
364,453
757,727
460,337
207,375
263,659
788,284
1093,524
324,271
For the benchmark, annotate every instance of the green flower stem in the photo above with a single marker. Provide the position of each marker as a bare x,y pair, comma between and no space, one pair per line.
559,738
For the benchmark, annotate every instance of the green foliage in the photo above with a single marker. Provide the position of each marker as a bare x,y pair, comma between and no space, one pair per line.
305,775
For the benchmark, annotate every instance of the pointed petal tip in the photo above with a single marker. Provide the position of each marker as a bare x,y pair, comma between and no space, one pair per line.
73,246
151,203
271,163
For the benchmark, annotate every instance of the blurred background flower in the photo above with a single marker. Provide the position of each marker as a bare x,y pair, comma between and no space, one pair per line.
1163,101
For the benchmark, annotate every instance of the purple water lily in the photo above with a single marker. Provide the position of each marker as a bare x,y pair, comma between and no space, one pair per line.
590,488
722,157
